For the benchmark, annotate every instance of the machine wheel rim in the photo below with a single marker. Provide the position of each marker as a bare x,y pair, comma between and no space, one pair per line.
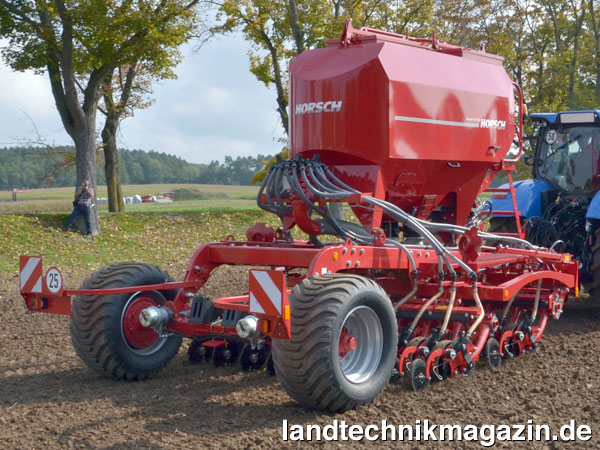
418,377
363,324
139,339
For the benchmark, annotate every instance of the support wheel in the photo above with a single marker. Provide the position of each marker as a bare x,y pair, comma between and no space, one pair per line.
198,353
253,359
226,354
106,331
343,345
511,347
492,353
418,376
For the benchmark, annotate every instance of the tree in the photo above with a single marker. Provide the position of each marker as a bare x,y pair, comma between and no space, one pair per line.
79,43
114,111
279,30
126,89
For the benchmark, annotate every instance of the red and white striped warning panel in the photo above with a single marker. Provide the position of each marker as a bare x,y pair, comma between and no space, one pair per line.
267,288
30,273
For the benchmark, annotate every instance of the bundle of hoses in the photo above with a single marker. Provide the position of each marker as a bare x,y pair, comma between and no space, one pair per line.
311,180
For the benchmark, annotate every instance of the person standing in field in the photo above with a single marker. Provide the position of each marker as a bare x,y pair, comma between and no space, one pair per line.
84,196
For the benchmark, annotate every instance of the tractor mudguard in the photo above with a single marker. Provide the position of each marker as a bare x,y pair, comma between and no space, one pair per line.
529,198
593,210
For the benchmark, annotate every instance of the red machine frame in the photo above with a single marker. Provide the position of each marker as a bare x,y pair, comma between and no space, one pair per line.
451,304
500,286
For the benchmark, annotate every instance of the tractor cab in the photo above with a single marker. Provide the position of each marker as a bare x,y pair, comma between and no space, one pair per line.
567,153
560,205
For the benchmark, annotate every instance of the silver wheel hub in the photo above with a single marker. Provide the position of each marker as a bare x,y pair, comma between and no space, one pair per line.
359,364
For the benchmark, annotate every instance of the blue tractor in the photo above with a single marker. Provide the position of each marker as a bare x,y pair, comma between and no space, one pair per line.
560,206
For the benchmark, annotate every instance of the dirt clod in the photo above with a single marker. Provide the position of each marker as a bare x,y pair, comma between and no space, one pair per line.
49,399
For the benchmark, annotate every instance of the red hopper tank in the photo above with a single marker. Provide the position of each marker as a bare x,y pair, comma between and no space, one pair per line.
416,122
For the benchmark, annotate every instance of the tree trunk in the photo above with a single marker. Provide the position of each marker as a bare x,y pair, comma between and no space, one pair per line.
596,49
282,98
111,165
573,65
79,119
295,26
85,145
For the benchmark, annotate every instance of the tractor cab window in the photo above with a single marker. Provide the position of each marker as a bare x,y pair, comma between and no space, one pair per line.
569,157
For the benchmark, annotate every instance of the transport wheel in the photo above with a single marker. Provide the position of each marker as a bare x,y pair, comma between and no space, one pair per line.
106,331
418,377
343,345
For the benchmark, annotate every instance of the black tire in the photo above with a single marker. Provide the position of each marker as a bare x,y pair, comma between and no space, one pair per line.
492,353
418,378
309,366
501,225
97,324
594,285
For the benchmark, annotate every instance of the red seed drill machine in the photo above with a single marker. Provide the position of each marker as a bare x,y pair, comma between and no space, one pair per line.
407,133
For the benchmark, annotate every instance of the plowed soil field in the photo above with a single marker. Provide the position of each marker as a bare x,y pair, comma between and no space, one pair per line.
49,399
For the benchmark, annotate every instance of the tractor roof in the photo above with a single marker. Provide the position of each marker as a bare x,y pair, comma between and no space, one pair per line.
566,117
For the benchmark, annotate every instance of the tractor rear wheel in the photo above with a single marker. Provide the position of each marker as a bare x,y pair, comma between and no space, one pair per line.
106,331
594,285
501,225
343,345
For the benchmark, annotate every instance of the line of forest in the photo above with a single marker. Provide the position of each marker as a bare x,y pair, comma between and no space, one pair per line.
35,167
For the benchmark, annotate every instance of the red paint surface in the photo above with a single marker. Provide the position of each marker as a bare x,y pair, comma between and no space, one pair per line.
381,77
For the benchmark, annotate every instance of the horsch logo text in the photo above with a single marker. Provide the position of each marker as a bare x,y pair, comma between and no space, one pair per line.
318,107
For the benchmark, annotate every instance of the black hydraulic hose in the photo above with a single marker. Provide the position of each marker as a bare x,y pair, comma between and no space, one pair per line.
328,217
295,184
322,183
455,228
405,218
340,182
323,192
270,190
275,187
324,179
402,216
273,190
461,230
415,273
409,220
339,194
269,206
421,230
424,232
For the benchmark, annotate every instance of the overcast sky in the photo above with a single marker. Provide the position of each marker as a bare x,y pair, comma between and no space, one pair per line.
215,108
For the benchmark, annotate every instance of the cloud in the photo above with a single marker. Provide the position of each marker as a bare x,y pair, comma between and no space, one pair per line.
215,108
26,104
